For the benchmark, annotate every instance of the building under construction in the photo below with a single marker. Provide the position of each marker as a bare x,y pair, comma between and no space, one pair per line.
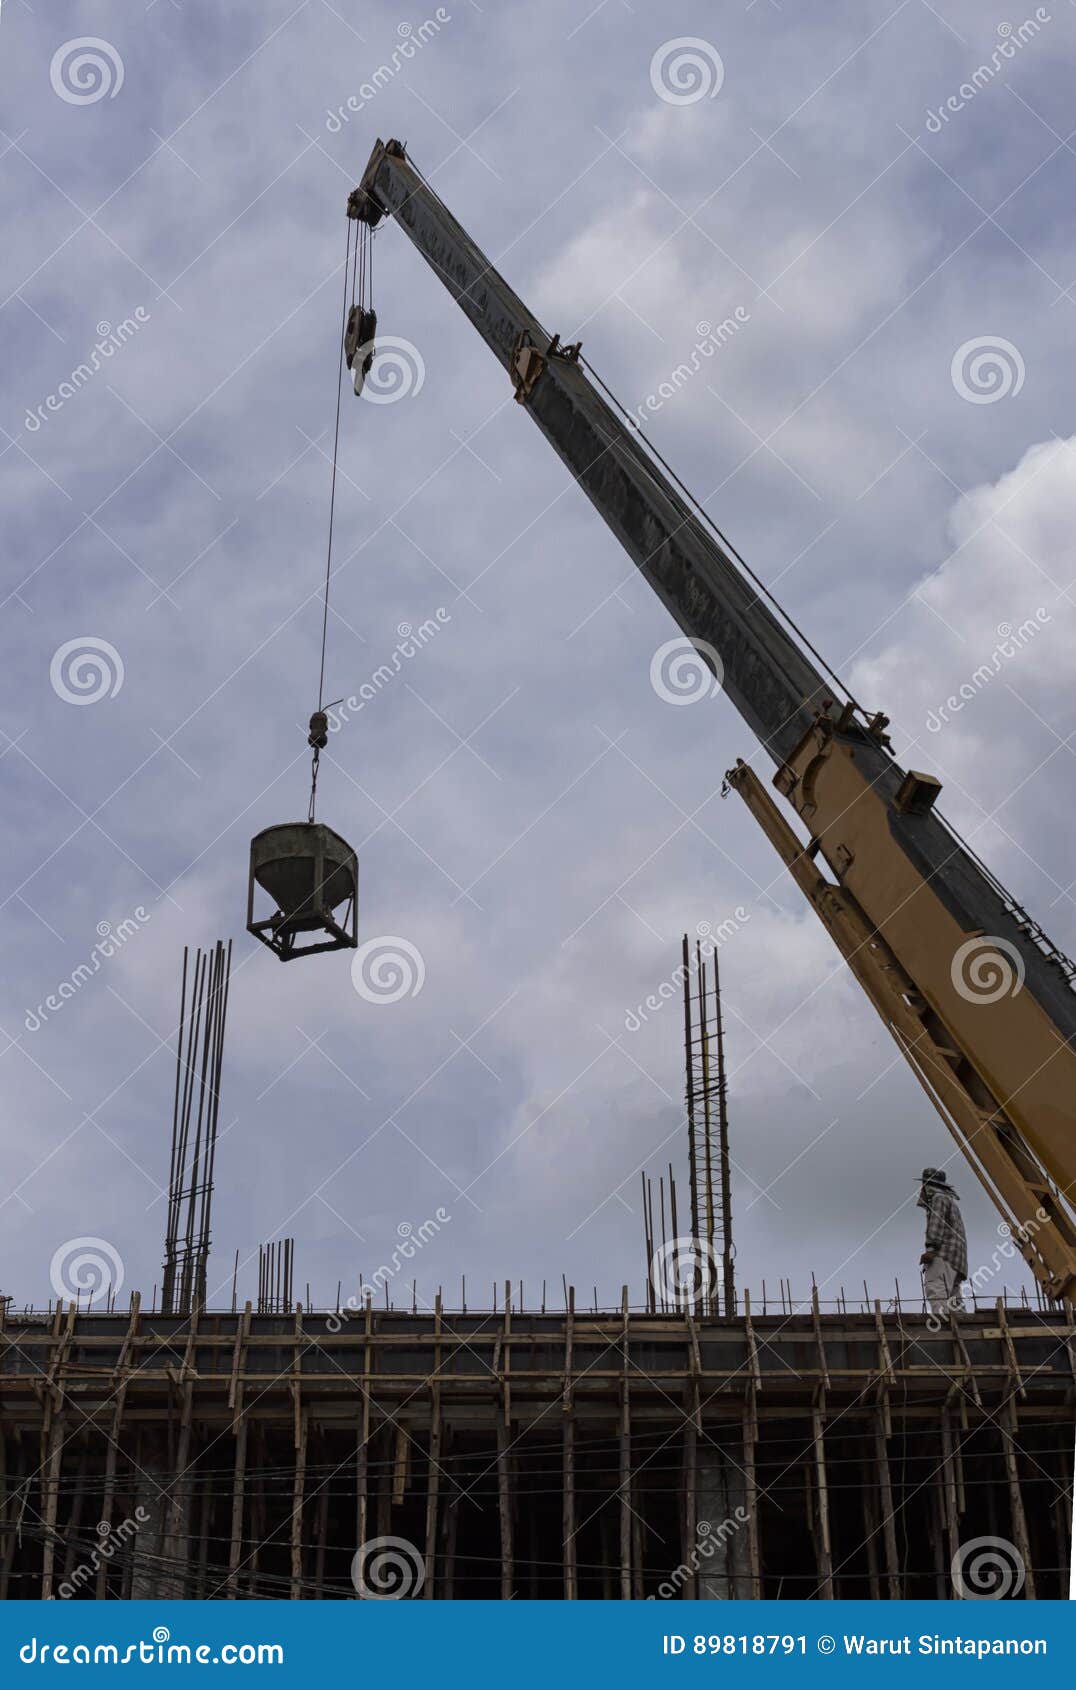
514,1453
692,1442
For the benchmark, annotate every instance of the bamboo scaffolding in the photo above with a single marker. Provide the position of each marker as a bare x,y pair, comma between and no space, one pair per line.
275,1448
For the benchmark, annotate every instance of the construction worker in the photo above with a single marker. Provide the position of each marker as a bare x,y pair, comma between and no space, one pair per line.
945,1254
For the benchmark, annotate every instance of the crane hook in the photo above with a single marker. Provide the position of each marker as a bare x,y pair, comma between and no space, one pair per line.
317,739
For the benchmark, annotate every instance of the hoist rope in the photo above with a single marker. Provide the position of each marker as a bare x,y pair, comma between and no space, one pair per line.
332,483
332,510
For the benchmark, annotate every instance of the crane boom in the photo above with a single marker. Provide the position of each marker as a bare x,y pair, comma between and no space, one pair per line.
979,1001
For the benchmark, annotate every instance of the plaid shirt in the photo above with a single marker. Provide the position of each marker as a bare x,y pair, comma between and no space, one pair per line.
945,1228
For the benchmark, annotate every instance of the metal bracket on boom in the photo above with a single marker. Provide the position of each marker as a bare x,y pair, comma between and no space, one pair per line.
528,362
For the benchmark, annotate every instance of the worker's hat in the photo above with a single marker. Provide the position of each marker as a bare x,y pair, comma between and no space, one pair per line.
933,1176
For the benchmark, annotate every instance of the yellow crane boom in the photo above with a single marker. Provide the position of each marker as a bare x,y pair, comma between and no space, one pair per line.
976,996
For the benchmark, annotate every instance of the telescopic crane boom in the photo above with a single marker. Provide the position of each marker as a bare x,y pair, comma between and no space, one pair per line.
978,1000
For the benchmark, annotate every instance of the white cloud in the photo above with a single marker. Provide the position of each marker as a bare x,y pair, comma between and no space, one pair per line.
979,676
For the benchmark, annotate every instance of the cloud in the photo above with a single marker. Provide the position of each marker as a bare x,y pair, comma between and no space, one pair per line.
980,679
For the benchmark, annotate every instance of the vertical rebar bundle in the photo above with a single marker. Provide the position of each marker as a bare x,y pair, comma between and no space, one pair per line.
728,1252
673,1268
706,1102
203,1005
276,1264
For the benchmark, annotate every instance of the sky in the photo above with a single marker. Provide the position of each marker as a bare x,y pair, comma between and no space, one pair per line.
878,198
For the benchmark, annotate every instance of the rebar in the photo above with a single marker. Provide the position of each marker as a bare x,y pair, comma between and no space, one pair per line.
203,1004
